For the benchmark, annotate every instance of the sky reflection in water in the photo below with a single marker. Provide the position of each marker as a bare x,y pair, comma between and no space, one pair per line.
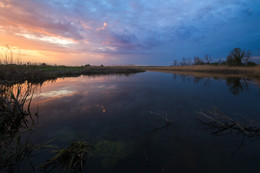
116,112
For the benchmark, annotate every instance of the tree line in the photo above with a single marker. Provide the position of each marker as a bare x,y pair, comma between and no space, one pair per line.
236,57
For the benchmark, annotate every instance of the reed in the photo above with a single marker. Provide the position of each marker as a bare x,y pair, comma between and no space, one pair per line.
15,119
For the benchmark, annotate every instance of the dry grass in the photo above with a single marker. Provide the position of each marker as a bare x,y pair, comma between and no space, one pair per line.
211,70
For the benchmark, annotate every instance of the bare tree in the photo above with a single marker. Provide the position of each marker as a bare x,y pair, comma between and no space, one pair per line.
198,61
208,59
175,63
183,62
189,61
247,57
235,57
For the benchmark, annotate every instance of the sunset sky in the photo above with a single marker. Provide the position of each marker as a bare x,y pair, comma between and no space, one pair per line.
141,32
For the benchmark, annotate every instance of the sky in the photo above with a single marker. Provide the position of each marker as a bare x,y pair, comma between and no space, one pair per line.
124,32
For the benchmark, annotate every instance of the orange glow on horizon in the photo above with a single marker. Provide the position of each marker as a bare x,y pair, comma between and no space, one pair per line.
40,40
47,48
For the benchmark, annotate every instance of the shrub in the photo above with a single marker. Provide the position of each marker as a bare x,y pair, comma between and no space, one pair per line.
251,64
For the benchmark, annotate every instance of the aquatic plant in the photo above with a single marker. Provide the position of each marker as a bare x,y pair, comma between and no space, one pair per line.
13,151
110,152
73,157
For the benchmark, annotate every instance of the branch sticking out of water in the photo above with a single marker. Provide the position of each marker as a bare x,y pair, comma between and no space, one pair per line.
167,123
222,124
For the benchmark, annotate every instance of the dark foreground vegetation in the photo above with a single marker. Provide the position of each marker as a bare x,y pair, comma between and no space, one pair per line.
12,73
17,123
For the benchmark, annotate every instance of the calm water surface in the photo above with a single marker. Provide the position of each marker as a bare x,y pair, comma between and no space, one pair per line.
124,118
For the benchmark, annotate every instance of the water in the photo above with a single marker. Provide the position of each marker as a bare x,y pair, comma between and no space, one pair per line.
125,118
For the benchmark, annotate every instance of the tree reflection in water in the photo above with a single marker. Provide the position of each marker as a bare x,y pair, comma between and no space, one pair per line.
236,85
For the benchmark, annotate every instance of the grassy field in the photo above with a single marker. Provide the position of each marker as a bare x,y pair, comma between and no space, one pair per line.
36,73
210,70
39,73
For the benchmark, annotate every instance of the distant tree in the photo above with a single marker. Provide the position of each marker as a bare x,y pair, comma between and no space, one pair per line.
87,65
220,62
175,63
247,57
183,62
189,61
208,59
43,64
235,57
198,61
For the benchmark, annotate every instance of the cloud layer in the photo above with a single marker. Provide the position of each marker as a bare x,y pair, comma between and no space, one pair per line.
129,31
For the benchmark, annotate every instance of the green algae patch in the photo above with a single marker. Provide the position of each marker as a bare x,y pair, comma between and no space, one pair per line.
110,152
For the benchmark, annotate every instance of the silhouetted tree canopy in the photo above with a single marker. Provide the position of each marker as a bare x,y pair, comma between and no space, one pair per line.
235,57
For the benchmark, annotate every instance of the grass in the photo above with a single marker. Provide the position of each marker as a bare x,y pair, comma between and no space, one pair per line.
210,70
12,73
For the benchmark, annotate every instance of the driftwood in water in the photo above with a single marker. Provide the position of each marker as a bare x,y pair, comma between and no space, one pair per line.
222,124
167,123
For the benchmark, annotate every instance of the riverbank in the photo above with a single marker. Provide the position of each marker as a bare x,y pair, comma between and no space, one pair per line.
253,72
38,73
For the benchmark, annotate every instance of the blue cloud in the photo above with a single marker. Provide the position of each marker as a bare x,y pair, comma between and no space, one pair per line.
176,27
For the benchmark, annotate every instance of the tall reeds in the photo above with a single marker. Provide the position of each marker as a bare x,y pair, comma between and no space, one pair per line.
15,119
10,55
